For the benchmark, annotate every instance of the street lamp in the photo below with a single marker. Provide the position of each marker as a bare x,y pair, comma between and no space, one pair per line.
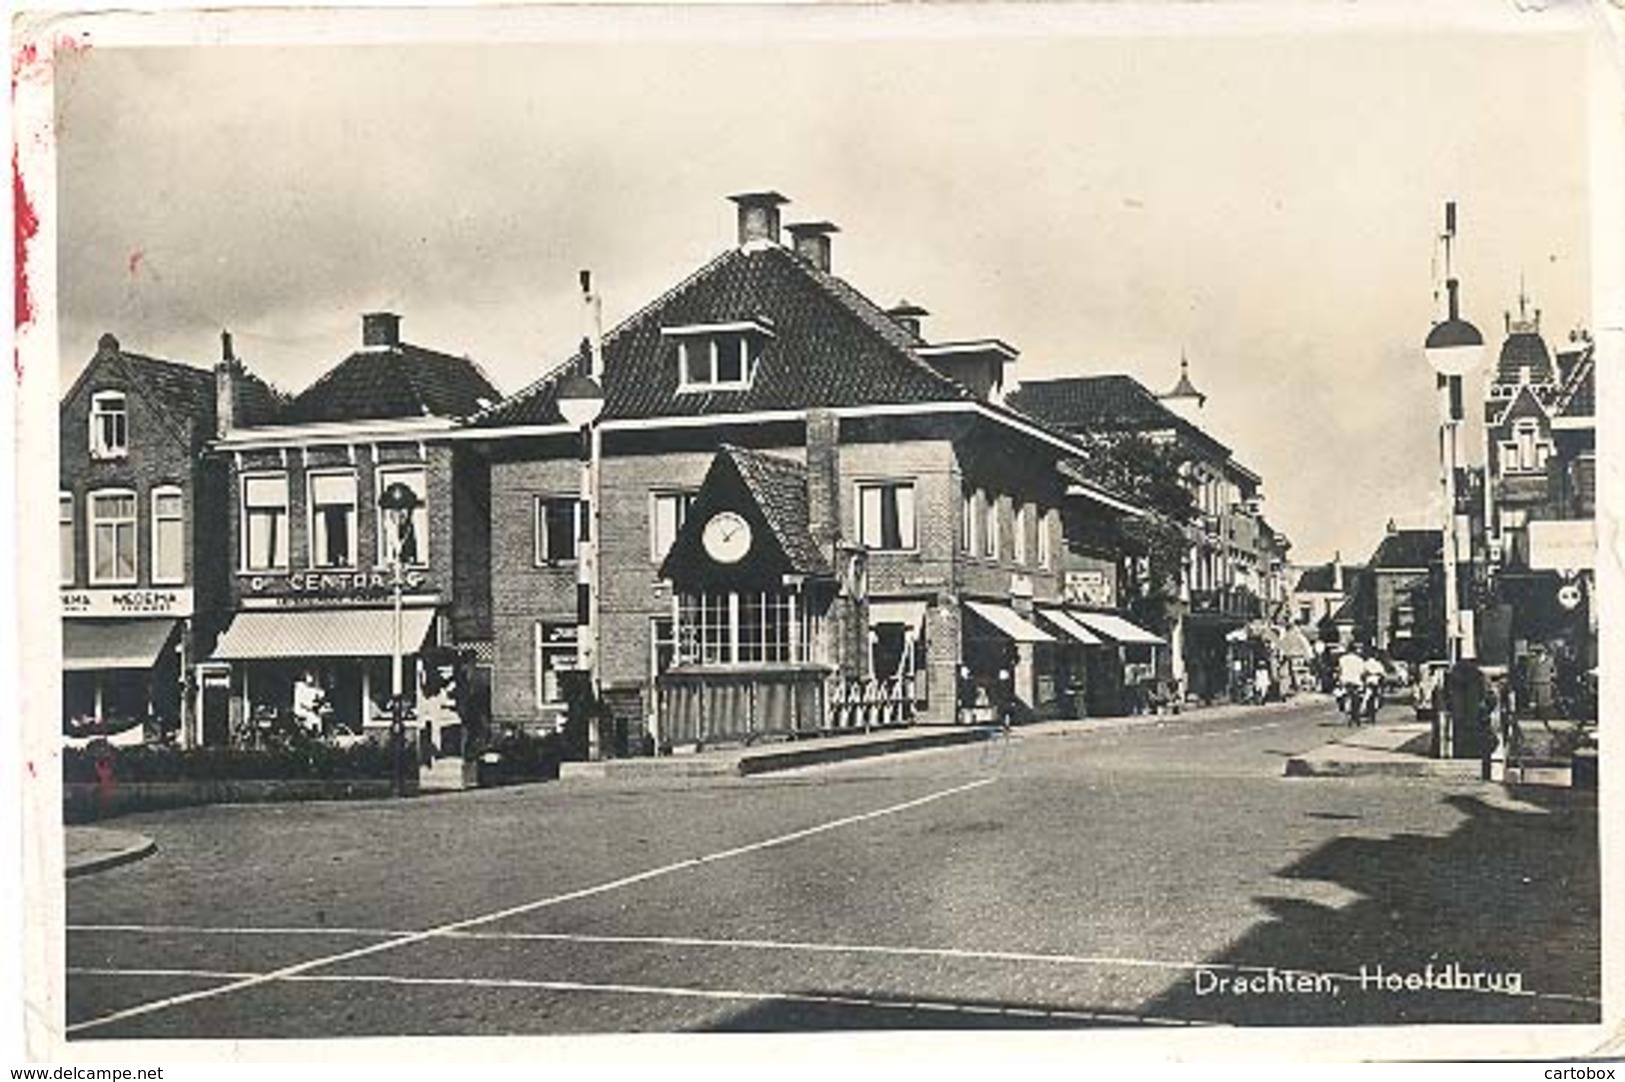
397,502
1454,349
580,400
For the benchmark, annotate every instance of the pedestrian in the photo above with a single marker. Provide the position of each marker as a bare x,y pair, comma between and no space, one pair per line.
1465,694
1261,684
308,701
1542,678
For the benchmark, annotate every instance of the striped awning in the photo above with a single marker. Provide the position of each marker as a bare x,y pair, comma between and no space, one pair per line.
1007,621
1073,629
1117,629
327,633
88,645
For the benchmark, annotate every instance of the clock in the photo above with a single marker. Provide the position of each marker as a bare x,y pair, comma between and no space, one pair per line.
726,537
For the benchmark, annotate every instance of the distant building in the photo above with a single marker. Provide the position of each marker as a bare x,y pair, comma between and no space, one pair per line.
1236,568
1540,418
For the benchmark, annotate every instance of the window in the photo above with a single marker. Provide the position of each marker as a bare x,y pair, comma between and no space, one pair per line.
662,644
109,425
667,512
1046,554
265,523
168,535
413,542
64,519
990,529
1018,534
718,356
112,537
332,519
558,521
555,654
740,628
1526,452
886,516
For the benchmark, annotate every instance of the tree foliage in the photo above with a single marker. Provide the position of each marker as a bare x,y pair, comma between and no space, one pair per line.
1151,475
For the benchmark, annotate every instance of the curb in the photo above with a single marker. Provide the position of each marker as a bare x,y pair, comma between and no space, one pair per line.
139,848
777,757
1312,767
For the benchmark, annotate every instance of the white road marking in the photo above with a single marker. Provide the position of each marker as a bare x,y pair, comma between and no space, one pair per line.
513,911
1034,957
725,994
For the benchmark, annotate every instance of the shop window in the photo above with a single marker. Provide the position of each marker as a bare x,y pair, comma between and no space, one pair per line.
168,535
413,541
265,523
556,653
886,516
64,533
112,537
109,425
332,519
558,523
667,512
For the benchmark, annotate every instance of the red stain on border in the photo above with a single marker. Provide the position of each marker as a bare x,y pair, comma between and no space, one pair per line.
27,226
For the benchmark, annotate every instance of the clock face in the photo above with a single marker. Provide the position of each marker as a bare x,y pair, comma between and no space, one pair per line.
727,537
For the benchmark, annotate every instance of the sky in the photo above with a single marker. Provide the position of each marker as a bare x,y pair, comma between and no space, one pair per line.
1266,203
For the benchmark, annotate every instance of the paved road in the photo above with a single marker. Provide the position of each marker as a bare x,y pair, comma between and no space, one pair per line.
1137,875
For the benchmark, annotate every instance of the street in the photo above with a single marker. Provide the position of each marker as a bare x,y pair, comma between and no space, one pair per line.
1155,872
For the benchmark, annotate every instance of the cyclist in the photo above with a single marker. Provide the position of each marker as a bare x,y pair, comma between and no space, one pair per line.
1350,677
1374,675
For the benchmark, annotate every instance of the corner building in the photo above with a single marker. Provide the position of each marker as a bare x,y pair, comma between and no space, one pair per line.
809,515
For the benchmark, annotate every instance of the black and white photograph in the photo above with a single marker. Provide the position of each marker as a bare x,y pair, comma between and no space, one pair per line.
829,522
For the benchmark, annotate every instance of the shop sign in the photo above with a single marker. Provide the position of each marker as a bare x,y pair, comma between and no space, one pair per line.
1568,595
331,585
173,601
1091,589
1562,545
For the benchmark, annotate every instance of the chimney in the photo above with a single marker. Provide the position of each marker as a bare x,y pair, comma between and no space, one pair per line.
758,217
823,481
908,317
381,330
811,242
1337,571
107,343
225,388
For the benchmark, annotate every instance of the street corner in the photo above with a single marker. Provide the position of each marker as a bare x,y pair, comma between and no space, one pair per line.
87,850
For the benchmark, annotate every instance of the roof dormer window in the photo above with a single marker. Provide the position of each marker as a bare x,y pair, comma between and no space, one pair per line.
109,425
718,356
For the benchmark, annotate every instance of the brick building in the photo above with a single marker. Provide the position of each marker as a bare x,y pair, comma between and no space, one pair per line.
310,582
142,572
807,510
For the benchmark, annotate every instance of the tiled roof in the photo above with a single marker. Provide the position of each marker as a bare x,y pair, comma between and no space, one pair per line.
830,346
779,487
1409,548
185,394
397,381
1521,349
1112,403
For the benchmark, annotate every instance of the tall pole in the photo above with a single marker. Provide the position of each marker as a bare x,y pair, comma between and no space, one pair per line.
588,603
397,719
1447,470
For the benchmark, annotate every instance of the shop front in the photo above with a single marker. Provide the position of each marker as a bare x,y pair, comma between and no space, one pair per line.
1122,664
123,664
1007,660
327,671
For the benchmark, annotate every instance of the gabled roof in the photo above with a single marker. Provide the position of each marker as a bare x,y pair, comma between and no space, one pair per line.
830,347
1110,403
1526,403
184,394
779,487
1322,579
396,381
1408,549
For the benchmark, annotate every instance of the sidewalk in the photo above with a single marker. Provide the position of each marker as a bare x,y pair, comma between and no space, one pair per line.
813,751
93,849
1395,750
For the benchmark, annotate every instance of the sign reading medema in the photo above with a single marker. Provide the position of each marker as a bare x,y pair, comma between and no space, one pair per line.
153,601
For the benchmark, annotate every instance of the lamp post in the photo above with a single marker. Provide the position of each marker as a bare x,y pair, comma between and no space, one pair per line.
581,401
397,502
1454,348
